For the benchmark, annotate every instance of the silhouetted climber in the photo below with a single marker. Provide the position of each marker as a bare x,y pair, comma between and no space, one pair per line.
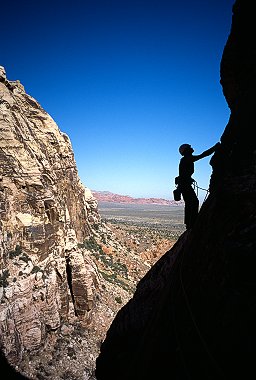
185,181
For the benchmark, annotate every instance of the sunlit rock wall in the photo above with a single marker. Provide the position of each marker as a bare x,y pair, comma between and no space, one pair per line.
46,212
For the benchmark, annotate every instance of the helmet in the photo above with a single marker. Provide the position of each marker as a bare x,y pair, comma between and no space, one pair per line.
183,148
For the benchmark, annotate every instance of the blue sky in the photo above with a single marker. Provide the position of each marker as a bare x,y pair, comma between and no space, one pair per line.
128,81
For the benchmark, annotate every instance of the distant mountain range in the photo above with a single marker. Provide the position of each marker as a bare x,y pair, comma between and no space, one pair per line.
107,196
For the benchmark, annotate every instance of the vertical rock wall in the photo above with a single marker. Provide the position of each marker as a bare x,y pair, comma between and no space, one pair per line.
45,212
193,314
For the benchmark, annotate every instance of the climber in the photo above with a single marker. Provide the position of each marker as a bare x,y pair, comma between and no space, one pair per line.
185,181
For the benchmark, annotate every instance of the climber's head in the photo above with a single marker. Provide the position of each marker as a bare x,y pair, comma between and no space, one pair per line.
185,148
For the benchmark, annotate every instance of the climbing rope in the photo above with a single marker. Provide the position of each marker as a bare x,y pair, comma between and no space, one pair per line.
196,187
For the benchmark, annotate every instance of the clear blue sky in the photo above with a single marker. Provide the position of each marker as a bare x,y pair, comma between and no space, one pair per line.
128,81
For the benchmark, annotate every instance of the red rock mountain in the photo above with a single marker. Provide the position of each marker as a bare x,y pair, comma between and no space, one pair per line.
107,196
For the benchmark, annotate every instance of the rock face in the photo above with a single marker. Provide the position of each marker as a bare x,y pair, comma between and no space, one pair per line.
64,273
46,212
193,314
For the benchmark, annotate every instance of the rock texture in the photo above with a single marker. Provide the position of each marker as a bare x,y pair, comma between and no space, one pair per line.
193,314
64,273
45,213
50,286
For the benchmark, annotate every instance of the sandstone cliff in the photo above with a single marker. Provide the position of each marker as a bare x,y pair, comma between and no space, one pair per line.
193,314
45,213
58,289
64,273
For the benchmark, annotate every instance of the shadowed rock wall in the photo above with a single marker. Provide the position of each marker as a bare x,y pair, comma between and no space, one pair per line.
193,314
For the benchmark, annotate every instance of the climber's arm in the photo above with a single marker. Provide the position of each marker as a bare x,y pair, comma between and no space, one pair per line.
206,153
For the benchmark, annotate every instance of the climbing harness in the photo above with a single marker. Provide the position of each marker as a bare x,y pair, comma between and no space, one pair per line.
177,192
